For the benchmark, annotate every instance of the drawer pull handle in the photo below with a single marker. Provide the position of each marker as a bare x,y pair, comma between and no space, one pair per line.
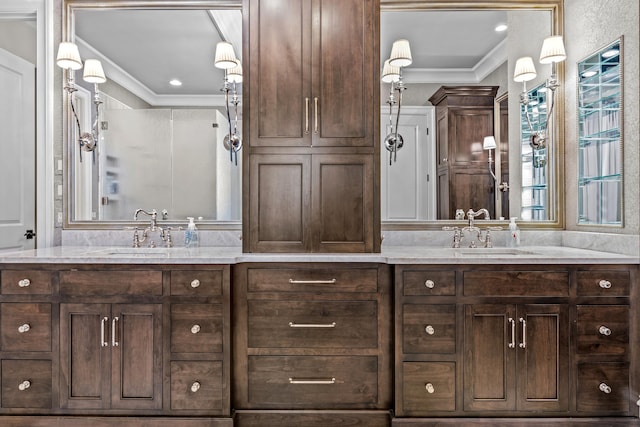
312,282
24,328
114,322
312,325
523,344
24,283
430,388
312,381
512,344
103,339
24,385
605,284
429,330
195,386
195,283
195,329
604,331
430,284
605,388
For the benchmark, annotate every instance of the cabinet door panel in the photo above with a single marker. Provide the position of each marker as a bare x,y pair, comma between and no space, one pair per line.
84,361
342,207
489,368
543,366
137,357
279,203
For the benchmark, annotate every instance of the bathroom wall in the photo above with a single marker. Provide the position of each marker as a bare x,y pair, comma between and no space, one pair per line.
589,26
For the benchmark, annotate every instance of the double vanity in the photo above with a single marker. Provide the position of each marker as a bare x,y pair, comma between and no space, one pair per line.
415,336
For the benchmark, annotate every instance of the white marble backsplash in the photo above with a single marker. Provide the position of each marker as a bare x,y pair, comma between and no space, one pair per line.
208,238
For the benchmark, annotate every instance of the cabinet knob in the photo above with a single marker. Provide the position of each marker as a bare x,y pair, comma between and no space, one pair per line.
604,284
24,283
430,388
195,283
195,329
604,330
605,388
24,328
429,330
195,386
24,385
430,284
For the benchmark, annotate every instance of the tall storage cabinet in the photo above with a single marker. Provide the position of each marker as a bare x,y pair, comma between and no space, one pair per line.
310,96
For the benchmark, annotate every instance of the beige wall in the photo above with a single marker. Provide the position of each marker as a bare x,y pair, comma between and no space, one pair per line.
589,26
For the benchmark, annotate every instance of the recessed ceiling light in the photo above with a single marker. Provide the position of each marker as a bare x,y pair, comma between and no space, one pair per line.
589,73
610,53
501,27
175,82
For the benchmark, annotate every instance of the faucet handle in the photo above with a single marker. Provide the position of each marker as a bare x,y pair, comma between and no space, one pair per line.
447,228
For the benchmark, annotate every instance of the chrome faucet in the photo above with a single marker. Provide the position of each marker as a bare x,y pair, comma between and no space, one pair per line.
471,215
165,233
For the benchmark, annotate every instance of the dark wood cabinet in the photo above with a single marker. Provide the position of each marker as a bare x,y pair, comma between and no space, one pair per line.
312,184
464,116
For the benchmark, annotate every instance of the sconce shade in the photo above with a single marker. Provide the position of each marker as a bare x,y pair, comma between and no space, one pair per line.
93,72
225,56
68,56
400,53
234,75
489,143
552,50
525,70
390,73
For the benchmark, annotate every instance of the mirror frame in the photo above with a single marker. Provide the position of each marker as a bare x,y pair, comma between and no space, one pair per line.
557,16
68,26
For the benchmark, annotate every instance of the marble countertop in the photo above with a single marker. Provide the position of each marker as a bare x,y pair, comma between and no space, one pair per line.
389,255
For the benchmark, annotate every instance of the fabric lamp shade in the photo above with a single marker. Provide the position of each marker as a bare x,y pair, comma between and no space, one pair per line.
390,73
400,53
552,50
93,72
489,143
234,75
525,70
225,56
68,56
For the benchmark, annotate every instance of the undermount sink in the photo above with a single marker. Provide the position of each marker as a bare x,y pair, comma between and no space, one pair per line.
490,252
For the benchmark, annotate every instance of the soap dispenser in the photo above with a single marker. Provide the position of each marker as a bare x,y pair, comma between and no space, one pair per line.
191,234
513,238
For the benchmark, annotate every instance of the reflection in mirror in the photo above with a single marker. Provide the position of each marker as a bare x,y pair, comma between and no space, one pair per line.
167,116
600,137
469,52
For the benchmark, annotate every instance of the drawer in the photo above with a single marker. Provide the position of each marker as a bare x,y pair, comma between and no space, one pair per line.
428,328
313,324
312,280
88,283
25,282
516,283
196,282
427,387
318,382
196,328
196,385
312,418
25,327
26,384
428,282
603,387
615,283
603,329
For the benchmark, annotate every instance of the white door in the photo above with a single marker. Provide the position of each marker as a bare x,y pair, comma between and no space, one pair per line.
17,152
408,183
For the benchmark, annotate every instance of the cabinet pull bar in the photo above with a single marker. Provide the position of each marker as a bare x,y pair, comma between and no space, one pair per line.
306,116
315,115
312,325
512,344
312,282
523,344
114,343
103,340
312,381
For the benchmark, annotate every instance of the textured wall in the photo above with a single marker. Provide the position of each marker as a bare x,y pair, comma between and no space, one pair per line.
589,26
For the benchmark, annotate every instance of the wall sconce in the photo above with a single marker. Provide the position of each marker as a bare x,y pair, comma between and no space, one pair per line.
552,52
489,144
68,59
392,73
226,60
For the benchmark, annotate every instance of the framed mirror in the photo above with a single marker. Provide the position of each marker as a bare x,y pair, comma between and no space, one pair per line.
161,120
600,144
448,52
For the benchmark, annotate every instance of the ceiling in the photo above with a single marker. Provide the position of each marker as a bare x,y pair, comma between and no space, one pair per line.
143,49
